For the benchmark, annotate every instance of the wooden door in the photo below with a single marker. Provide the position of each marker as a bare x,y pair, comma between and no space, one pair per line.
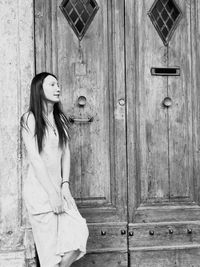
163,137
92,79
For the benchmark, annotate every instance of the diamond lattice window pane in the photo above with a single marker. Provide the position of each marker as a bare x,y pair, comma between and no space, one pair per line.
165,15
79,14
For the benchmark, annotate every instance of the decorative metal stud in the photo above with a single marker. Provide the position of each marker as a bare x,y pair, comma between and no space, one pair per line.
79,14
165,16
103,232
131,233
123,232
151,232
121,102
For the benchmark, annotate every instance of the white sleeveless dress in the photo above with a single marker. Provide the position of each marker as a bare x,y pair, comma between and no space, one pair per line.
53,234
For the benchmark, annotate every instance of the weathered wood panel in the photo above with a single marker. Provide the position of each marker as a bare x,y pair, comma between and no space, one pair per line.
112,259
180,113
164,234
167,213
150,134
104,235
166,257
195,82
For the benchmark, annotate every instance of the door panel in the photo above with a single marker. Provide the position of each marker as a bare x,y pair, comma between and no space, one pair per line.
166,258
151,120
162,142
116,260
180,115
93,68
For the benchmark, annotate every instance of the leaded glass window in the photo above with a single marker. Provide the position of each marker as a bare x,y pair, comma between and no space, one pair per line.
165,15
79,14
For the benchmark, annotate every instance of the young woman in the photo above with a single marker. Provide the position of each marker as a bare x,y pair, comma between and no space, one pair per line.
60,232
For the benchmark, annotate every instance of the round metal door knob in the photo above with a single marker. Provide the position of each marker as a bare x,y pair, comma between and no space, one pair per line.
167,102
82,101
189,231
171,231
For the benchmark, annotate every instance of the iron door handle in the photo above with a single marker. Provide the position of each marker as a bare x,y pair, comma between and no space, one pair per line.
81,120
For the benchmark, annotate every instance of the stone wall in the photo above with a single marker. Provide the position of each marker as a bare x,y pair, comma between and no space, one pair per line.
16,71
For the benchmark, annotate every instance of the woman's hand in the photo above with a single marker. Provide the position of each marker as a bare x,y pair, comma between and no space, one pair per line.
56,202
67,196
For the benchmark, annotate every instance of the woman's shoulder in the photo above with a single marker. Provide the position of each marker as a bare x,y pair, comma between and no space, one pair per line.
28,120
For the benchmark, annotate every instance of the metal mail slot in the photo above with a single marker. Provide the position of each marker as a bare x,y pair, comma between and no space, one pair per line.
173,71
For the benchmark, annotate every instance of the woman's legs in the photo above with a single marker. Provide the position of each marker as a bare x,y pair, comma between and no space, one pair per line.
69,258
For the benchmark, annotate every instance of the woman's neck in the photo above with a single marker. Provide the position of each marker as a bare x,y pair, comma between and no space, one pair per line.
48,109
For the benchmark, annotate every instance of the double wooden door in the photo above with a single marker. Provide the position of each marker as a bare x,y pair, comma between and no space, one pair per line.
135,146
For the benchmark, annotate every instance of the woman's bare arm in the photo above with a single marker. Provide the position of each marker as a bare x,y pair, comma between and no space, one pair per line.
65,177
66,163
32,148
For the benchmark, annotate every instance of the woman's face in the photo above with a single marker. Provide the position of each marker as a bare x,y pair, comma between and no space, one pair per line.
51,89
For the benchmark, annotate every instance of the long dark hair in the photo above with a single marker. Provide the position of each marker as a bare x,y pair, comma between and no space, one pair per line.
36,106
